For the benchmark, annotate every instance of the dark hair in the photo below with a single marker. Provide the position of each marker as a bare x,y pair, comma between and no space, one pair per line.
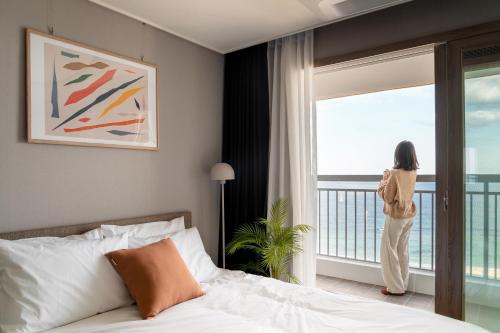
405,156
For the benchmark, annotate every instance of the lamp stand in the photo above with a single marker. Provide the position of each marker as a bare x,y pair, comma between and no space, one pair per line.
223,226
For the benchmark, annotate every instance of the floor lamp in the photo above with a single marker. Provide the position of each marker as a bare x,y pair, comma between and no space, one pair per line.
222,172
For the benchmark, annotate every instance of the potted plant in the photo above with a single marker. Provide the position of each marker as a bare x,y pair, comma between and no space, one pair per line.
273,241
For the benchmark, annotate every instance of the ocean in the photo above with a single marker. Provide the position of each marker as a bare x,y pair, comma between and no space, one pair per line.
351,223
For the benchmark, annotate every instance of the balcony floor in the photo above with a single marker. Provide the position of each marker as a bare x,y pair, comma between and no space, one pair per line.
413,300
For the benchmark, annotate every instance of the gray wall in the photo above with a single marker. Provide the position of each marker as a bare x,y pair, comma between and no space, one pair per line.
50,185
407,21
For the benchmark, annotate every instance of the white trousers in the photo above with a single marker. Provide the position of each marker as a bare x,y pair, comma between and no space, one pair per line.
394,253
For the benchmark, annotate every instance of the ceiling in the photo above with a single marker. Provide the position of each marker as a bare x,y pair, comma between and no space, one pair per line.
229,25
395,70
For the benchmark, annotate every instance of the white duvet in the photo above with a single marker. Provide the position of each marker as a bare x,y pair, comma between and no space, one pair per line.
236,302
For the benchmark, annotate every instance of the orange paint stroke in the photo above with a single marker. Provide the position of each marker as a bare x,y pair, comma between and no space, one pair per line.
80,94
116,123
123,97
84,120
129,71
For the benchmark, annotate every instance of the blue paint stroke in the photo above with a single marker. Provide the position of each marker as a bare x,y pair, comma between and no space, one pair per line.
97,101
137,104
122,133
53,98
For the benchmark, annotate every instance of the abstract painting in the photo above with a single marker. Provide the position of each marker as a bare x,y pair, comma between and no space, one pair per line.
80,95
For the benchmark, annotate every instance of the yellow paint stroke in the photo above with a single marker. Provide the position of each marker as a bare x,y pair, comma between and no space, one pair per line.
123,97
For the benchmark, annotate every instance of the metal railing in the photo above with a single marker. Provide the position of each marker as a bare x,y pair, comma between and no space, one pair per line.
481,224
351,222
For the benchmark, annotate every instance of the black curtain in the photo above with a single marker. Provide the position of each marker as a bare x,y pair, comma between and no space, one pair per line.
245,143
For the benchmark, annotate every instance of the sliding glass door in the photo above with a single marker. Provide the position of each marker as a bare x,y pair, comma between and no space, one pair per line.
468,95
482,191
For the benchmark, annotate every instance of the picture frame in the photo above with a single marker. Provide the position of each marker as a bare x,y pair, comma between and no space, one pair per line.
82,95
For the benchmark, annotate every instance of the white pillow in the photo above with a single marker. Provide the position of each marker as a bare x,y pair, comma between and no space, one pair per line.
190,247
39,240
49,282
92,234
145,229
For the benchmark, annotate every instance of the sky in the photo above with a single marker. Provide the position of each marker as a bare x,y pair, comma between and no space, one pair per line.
357,134
482,124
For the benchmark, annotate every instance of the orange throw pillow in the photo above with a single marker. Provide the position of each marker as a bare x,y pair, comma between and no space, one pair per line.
156,276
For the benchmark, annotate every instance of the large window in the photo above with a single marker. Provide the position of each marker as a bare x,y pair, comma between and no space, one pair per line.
364,109
357,134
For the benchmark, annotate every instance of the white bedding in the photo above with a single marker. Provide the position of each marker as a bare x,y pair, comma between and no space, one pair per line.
238,302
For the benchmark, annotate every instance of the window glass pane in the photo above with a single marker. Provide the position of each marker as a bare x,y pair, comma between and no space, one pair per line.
482,202
357,134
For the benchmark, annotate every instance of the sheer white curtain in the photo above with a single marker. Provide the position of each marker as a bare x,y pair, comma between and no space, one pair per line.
292,163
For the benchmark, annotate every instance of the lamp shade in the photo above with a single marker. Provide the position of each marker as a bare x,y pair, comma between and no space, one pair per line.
222,172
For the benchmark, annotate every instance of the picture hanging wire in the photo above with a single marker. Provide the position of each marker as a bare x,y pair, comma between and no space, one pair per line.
48,16
143,25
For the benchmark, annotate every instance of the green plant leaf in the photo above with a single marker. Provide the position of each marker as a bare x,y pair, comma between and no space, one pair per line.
248,236
254,267
292,278
274,241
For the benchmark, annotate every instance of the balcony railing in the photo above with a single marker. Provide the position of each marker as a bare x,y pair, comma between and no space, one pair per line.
351,222
481,226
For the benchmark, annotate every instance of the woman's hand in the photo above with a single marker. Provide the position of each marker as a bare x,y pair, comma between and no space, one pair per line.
383,183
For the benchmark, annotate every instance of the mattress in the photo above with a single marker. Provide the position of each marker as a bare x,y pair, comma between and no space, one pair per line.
239,302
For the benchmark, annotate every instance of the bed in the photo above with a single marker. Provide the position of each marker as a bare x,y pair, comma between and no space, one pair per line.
239,302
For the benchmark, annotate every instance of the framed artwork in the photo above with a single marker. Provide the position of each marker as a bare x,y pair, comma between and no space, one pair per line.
80,95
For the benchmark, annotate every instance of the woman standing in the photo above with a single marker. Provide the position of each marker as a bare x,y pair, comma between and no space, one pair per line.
396,189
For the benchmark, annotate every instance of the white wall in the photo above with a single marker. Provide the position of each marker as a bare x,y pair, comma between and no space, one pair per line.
420,281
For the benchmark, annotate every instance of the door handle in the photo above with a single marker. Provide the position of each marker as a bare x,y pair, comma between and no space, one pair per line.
445,201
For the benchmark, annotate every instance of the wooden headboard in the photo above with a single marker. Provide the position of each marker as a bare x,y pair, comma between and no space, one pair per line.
82,228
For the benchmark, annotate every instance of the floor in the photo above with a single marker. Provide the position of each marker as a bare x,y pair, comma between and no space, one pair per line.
484,316
413,300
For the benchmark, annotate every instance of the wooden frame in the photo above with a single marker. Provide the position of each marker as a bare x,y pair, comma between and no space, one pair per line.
450,189
450,106
154,91
443,265
77,229
415,42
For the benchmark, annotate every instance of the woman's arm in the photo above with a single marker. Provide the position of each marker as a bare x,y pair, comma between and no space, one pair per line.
387,191
383,182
